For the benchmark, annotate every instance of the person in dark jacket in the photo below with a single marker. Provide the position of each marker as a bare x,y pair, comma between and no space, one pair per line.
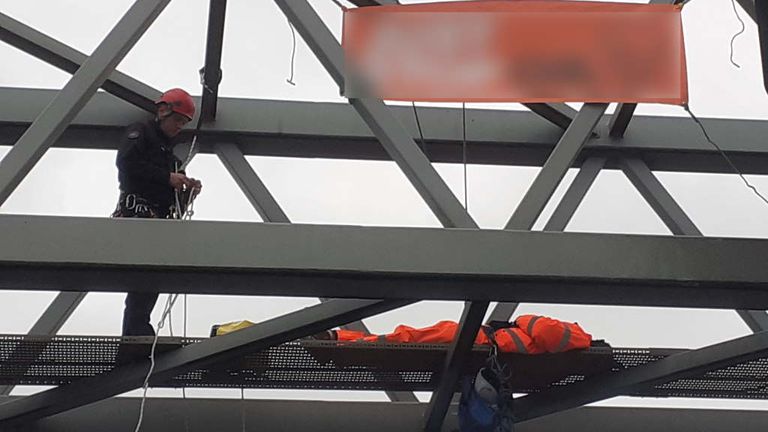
150,177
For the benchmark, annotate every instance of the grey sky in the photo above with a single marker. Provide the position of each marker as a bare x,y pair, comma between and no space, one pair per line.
256,64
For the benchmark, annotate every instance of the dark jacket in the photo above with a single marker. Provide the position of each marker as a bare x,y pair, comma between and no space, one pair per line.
145,162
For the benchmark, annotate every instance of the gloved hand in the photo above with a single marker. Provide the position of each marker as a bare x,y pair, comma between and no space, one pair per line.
498,325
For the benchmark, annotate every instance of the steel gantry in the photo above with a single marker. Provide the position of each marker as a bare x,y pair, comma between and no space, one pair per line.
389,267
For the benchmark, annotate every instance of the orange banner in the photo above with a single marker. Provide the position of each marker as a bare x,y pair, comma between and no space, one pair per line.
516,51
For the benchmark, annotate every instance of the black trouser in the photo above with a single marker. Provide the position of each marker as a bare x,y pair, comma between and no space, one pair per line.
138,305
138,309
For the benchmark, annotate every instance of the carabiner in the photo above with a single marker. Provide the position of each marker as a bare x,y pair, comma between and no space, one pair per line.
128,204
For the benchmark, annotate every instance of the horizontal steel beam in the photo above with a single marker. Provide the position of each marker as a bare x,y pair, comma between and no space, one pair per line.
81,254
173,415
676,220
278,330
668,369
334,130
69,59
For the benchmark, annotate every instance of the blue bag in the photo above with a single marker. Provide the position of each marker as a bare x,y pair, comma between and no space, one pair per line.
481,413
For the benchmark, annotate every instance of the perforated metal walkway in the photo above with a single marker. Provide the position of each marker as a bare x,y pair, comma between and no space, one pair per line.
44,360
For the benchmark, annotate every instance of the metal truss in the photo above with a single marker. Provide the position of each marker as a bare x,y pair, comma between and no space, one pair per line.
559,114
49,125
524,217
270,211
676,220
268,333
401,147
346,261
457,264
336,131
363,3
52,319
69,59
749,8
624,111
249,182
668,369
211,73
174,415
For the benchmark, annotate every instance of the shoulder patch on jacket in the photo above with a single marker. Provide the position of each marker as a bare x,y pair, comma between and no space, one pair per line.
134,134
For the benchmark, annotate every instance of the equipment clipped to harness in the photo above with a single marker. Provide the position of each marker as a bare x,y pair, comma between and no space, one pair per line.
482,407
486,401
183,207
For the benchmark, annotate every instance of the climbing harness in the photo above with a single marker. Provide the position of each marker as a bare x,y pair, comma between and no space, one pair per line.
486,399
132,205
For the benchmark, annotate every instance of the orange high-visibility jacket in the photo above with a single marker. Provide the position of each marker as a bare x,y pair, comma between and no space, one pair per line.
513,339
553,336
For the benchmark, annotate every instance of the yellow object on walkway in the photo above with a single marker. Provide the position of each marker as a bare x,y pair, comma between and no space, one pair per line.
222,329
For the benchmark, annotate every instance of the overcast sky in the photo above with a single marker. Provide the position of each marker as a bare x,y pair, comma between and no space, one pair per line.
256,63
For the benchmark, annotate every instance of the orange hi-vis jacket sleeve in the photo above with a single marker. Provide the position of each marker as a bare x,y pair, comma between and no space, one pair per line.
533,335
515,340
442,332
509,340
553,336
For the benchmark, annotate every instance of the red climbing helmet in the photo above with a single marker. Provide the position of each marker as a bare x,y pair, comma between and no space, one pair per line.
180,101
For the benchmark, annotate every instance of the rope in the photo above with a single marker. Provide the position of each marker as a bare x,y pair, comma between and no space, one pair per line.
199,124
170,322
191,150
725,156
203,82
504,374
421,134
184,389
171,299
186,408
464,152
293,54
242,407
169,302
739,33
185,316
192,146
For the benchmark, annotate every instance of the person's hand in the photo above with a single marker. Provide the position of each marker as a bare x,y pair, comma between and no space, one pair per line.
178,181
195,185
